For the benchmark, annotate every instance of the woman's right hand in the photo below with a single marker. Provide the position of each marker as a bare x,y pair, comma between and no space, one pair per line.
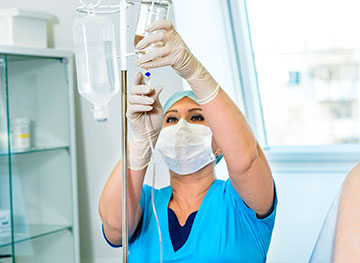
171,50
145,116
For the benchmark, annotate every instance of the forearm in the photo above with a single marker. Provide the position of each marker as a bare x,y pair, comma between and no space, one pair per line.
347,242
110,205
248,168
231,132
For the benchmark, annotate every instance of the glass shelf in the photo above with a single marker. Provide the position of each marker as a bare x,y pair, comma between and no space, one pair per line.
36,150
34,231
36,184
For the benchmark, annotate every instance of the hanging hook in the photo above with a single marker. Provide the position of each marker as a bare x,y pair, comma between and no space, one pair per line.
91,6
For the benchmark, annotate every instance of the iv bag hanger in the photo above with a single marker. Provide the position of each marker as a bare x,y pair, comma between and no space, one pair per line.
101,9
104,9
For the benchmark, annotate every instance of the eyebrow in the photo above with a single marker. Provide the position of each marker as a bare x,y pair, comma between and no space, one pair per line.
193,109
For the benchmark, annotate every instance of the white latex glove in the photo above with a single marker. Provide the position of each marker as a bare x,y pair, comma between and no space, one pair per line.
143,100
174,52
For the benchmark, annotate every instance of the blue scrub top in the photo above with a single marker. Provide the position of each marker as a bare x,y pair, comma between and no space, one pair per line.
224,229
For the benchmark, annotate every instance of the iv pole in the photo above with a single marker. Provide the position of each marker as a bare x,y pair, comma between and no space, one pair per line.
122,9
124,134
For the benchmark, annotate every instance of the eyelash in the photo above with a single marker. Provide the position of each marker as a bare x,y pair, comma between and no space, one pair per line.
195,117
198,117
171,119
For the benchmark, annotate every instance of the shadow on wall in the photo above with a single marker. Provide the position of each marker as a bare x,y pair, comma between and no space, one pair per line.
50,31
84,215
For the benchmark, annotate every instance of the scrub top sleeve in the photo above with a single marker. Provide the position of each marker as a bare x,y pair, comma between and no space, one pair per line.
263,224
145,197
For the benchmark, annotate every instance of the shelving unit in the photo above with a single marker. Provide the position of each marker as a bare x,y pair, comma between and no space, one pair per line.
38,186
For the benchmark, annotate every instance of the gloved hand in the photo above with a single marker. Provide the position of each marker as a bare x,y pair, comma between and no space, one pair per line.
174,52
143,100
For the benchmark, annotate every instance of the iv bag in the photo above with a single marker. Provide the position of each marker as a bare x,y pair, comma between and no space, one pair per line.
150,11
96,63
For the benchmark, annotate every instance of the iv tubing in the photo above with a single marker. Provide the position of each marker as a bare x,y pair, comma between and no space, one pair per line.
147,118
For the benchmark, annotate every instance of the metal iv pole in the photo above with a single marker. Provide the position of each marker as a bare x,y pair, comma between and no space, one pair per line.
122,9
124,134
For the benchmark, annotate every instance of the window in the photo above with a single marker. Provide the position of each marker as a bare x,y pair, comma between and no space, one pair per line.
307,57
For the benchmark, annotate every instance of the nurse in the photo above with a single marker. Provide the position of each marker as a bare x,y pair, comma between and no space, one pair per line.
202,219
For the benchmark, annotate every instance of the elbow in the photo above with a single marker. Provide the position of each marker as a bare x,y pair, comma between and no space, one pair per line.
101,212
108,219
246,161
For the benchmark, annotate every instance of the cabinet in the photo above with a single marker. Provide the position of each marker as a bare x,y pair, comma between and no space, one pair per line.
38,190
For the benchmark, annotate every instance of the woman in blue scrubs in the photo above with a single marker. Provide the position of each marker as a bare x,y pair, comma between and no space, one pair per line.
202,219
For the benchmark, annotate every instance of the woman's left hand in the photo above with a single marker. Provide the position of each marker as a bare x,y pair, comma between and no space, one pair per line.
145,116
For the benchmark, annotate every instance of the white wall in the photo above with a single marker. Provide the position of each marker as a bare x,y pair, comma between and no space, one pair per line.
98,144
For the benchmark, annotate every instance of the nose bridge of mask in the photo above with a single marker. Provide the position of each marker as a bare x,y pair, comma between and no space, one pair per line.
185,135
190,128
189,134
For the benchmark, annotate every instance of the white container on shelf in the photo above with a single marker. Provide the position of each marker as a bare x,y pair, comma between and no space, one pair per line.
21,27
20,134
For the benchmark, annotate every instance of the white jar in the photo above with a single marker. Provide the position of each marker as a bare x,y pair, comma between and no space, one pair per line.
20,134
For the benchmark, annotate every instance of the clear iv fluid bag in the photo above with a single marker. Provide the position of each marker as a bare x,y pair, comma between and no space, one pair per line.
150,11
96,62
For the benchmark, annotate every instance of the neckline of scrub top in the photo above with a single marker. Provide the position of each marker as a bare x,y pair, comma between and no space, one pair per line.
164,222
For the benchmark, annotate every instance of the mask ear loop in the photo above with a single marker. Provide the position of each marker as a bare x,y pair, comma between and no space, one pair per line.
152,159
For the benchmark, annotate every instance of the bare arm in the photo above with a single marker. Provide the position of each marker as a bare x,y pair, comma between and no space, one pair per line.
110,205
248,168
347,241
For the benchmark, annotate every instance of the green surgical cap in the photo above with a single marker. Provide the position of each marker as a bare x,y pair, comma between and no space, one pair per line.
178,96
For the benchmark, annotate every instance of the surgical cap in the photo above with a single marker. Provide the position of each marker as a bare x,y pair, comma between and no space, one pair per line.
178,96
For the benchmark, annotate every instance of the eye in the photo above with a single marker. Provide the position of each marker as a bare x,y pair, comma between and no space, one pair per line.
197,117
171,119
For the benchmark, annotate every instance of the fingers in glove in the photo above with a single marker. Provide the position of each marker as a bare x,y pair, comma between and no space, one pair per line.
139,78
153,38
154,55
165,25
140,90
141,100
157,63
134,109
157,91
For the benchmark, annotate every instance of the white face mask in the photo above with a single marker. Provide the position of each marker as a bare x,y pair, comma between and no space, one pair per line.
186,147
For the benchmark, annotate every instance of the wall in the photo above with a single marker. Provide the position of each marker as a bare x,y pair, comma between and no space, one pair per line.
98,144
